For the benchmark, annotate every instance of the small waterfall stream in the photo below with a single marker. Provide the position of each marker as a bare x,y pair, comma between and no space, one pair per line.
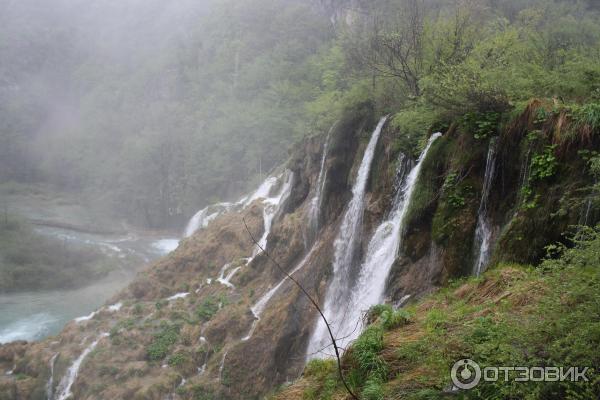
345,248
483,232
314,211
50,383
272,206
68,380
381,254
204,217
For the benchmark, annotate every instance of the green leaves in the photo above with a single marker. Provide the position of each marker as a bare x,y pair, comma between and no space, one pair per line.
544,165
162,343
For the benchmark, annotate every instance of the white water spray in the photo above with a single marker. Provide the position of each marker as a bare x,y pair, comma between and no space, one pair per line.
345,248
483,232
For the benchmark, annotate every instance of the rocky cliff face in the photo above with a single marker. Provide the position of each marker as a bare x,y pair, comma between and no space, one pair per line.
217,319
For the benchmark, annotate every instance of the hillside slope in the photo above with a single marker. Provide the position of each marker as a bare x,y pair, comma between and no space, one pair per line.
216,319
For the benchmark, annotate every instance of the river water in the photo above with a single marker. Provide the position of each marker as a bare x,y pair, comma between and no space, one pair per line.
38,314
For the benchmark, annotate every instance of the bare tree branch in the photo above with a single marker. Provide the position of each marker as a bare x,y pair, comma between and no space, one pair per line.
314,303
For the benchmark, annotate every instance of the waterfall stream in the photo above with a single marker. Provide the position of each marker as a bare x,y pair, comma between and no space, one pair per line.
69,379
483,232
345,248
314,211
381,254
50,383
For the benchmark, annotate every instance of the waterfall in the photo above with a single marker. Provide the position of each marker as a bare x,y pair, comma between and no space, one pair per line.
203,217
345,247
381,254
483,232
50,384
226,279
69,379
314,211
523,177
272,206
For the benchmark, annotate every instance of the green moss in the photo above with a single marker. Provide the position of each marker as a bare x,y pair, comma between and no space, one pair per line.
428,184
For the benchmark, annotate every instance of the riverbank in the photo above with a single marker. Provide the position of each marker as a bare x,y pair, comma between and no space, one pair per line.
57,263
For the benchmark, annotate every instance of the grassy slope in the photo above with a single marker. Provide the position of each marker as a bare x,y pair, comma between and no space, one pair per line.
513,315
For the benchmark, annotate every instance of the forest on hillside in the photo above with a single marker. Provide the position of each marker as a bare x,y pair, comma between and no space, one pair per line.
150,113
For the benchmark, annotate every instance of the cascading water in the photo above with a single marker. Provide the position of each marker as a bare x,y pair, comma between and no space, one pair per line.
69,379
203,217
226,279
345,247
381,254
483,232
271,207
50,383
314,211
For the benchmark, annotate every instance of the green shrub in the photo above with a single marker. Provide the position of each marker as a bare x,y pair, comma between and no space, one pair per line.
482,125
208,308
365,352
162,342
588,115
413,125
544,165
391,319
178,359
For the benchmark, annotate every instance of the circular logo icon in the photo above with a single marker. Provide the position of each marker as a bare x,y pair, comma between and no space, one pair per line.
465,374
